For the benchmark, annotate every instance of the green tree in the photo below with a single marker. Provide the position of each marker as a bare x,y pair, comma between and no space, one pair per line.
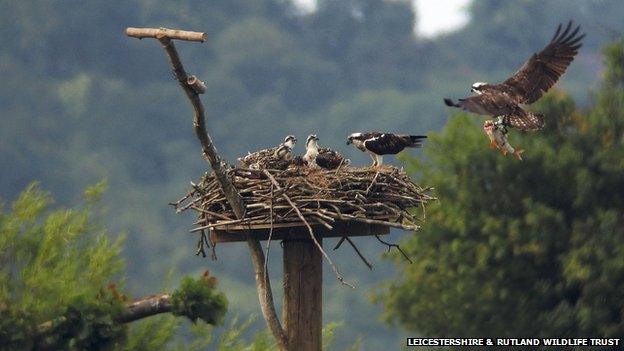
530,248
56,289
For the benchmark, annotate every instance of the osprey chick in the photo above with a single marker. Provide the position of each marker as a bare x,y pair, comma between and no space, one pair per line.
538,74
322,157
378,144
279,154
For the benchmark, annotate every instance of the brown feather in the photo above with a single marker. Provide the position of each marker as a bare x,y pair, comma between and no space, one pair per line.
543,69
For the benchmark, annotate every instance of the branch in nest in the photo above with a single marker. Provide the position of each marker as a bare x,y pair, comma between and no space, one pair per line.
312,236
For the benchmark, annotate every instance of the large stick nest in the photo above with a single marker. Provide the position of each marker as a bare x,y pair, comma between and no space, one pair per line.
384,195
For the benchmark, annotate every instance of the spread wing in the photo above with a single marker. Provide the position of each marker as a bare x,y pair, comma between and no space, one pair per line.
543,69
489,103
524,120
386,144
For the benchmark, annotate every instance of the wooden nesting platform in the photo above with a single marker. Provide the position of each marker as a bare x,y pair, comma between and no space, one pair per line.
348,201
295,231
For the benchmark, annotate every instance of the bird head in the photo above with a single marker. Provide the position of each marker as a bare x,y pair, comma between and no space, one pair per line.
312,140
477,87
290,141
352,137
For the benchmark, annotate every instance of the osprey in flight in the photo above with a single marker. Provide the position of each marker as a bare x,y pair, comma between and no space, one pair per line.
538,74
378,144
322,157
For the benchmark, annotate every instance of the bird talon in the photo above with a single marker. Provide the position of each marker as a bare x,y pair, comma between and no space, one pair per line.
492,144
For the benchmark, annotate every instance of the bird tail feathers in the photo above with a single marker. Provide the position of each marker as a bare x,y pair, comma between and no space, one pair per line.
450,103
416,140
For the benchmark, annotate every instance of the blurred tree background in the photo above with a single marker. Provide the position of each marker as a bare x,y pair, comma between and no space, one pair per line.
81,102
529,248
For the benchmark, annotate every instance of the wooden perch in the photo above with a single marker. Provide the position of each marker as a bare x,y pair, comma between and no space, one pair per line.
192,87
159,33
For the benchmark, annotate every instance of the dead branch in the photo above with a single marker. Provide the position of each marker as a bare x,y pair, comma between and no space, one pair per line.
359,253
158,33
146,307
265,294
140,308
196,84
340,243
390,245
268,249
209,150
232,196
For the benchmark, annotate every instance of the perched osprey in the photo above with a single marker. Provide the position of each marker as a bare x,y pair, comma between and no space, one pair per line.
377,144
322,157
538,74
275,155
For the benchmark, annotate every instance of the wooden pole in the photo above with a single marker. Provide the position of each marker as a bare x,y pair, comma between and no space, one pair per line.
303,295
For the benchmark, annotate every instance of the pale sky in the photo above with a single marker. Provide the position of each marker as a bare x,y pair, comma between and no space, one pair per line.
434,16
439,16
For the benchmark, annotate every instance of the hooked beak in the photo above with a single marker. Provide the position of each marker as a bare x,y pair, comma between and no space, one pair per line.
348,141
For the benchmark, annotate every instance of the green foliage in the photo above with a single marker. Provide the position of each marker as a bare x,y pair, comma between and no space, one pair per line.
54,282
56,263
232,339
154,333
530,248
86,325
197,299
329,333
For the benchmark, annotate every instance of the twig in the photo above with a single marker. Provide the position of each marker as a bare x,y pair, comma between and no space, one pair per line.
266,259
359,253
394,245
213,248
339,243
200,246
211,213
372,183
312,236
223,223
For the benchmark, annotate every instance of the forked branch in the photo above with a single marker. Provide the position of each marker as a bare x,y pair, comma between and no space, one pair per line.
192,87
